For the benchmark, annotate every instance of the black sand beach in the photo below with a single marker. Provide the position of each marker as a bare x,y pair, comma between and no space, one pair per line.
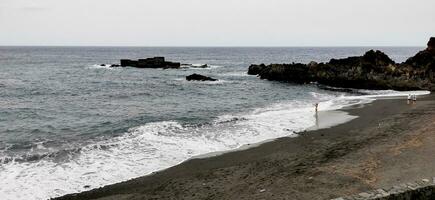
390,143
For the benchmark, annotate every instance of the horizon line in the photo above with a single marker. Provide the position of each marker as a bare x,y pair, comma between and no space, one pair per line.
217,46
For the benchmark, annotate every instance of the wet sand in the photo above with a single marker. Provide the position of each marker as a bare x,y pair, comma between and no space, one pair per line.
389,143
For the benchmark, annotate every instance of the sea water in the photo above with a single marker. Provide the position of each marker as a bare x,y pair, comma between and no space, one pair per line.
68,124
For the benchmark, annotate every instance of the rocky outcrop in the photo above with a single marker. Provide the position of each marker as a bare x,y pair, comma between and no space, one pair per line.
431,45
156,62
256,69
373,70
198,77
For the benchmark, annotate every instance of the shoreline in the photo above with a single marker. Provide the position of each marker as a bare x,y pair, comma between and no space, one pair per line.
340,117
181,180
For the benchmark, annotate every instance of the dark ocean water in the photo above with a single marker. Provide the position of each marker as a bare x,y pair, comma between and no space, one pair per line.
66,122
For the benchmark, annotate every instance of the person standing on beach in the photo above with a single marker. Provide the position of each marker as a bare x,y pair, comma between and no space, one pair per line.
414,99
316,115
409,99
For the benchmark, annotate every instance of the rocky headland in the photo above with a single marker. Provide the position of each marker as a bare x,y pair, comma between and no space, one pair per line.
373,70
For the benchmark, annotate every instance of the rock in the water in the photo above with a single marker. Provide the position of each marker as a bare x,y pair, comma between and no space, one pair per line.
199,77
256,69
156,62
373,70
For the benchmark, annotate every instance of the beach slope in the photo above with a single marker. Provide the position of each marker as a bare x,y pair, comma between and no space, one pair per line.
390,143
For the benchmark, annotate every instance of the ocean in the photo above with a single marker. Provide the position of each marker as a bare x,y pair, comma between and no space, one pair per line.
68,124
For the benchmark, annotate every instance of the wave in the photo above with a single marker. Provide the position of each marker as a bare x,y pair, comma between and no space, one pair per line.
145,149
218,82
392,93
368,97
106,66
160,145
200,66
243,73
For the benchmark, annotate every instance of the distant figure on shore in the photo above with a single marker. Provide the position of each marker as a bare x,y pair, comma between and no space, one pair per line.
414,99
316,114
409,99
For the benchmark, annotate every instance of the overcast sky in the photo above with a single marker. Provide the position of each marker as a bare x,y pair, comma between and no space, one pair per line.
217,22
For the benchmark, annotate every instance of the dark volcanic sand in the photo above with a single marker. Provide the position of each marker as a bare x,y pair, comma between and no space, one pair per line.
390,143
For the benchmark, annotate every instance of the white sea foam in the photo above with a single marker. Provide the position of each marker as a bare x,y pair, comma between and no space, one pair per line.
98,66
237,74
392,93
371,95
156,146
218,82
200,66
215,66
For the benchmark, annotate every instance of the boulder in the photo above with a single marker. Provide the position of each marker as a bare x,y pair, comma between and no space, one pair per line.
198,77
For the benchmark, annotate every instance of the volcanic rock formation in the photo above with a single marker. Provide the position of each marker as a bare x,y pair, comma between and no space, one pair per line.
373,70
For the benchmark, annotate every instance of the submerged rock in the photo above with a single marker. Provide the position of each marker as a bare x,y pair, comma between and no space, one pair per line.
373,70
199,77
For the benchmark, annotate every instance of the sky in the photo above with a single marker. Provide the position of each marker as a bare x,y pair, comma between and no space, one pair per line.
216,22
